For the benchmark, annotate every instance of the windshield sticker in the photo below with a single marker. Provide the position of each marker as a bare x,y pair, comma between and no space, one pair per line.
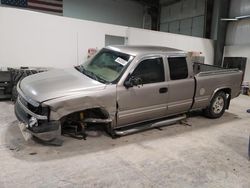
121,61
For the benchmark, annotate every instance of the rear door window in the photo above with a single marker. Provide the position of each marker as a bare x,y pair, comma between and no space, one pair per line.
178,68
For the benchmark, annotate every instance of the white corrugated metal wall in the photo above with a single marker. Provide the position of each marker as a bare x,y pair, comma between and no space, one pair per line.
238,33
184,17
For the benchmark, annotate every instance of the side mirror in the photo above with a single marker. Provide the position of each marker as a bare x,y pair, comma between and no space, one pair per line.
128,84
133,81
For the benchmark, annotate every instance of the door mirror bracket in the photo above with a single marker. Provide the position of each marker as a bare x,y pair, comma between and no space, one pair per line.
133,81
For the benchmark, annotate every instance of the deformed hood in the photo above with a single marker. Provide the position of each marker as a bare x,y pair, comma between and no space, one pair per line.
57,83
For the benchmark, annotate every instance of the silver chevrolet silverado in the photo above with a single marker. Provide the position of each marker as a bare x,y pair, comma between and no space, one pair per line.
125,89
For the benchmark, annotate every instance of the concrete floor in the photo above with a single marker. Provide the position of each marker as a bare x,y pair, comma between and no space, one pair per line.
210,153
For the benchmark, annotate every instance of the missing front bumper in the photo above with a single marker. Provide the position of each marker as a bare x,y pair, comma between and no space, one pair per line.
45,130
26,135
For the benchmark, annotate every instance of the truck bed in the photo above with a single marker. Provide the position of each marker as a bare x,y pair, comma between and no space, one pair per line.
205,70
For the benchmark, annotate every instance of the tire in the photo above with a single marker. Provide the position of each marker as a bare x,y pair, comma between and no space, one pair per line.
217,106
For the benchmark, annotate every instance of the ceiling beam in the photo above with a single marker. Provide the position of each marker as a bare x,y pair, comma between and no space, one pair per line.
150,3
168,2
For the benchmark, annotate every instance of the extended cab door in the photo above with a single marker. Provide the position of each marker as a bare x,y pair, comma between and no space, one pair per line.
181,85
146,101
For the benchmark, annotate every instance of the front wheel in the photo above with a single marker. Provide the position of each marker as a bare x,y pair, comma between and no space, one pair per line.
217,105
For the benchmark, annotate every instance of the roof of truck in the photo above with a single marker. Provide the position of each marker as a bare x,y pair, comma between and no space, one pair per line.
136,50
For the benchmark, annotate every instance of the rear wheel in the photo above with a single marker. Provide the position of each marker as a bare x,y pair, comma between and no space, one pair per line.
217,105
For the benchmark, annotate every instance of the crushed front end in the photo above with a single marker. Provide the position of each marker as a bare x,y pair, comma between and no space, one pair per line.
35,118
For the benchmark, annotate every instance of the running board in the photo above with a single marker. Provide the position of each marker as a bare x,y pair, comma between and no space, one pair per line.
149,126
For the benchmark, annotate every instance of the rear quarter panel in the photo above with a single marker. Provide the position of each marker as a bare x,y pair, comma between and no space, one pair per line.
210,84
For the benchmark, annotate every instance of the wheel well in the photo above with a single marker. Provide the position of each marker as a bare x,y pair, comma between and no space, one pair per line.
87,113
226,90
75,125
228,93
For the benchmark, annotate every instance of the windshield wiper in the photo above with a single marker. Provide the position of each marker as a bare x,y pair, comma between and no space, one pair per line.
101,79
92,75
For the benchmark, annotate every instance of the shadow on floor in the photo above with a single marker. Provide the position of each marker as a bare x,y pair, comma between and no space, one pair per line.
238,144
32,151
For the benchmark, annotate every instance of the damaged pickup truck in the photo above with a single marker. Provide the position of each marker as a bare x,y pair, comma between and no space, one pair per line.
125,89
